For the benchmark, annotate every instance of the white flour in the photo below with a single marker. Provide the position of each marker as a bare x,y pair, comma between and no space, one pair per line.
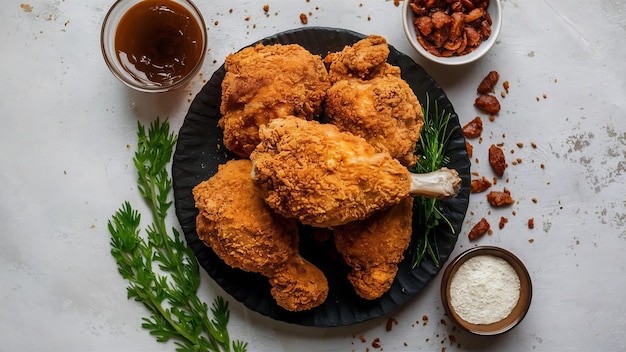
484,290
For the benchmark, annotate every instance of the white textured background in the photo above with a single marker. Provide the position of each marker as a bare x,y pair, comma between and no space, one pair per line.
67,135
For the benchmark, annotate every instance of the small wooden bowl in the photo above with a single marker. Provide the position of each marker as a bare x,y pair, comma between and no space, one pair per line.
518,312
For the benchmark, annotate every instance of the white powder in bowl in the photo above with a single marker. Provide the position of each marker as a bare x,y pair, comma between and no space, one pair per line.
484,290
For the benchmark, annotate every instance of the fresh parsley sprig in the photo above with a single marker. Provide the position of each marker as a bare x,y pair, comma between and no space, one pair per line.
161,269
431,150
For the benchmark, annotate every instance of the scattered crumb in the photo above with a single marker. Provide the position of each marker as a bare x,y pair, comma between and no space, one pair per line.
390,323
520,144
531,240
303,18
396,3
545,96
362,338
26,7
266,8
376,343
503,221
534,200
531,223
533,144
247,18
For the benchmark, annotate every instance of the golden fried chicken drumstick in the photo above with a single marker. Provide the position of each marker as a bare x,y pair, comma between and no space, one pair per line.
268,81
324,177
373,247
242,230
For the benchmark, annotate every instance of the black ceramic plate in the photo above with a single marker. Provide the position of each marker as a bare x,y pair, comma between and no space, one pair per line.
200,150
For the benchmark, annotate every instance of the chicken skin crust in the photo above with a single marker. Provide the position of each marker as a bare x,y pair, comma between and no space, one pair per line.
383,110
362,60
243,231
322,177
373,247
268,81
370,99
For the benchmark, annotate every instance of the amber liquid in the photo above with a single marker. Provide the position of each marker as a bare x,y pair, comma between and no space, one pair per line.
159,42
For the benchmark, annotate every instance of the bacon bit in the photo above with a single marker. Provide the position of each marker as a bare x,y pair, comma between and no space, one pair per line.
487,84
479,229
474,128
531,223
497,160
478,186
488,103
499,199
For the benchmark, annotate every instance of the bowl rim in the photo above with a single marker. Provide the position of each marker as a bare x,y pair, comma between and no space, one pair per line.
483,48
519,311
108,57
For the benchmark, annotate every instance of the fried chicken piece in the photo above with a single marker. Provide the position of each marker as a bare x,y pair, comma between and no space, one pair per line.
265,82
383,110
362,60
243,231
323,177
373,247
376,104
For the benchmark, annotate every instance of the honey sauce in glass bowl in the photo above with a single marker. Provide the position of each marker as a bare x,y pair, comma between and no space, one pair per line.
154,45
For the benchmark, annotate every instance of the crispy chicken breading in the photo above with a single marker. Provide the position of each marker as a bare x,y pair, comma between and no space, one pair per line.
383,110
242,230
373,247
362,60
323,177
268,81
370,99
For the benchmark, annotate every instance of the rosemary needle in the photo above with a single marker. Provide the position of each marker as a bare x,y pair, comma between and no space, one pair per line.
431,150
161,269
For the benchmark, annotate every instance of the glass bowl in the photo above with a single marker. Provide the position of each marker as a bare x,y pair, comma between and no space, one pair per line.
154,45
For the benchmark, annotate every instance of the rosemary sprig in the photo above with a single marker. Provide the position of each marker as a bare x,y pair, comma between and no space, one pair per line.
161,269
431,152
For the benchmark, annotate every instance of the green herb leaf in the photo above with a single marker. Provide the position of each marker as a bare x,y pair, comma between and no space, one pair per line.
431,150
161,269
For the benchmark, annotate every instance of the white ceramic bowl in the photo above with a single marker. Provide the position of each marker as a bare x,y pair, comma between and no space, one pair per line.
495,11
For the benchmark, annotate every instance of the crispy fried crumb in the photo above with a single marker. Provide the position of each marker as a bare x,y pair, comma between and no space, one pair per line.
502,222
390,323
376,343
303,18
